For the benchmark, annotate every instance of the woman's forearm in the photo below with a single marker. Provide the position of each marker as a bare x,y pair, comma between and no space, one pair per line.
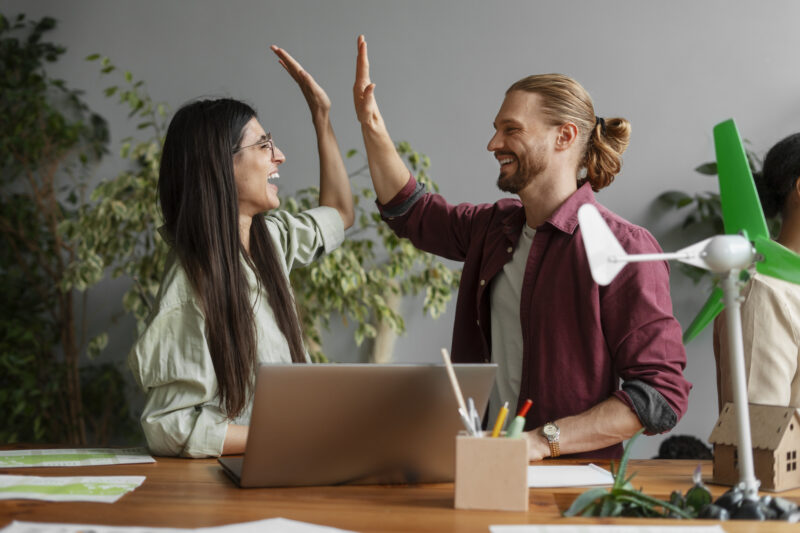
334,183
235,439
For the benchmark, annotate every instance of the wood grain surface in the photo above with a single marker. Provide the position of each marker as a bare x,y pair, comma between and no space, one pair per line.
190,493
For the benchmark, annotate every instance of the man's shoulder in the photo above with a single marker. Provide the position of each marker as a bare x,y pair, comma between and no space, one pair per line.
632,237
491,214
508,205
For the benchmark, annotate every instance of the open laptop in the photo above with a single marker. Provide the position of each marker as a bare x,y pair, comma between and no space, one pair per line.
330,424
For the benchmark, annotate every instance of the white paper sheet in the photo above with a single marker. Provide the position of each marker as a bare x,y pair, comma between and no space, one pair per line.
568,476
581,528
102,489
74,457
271,525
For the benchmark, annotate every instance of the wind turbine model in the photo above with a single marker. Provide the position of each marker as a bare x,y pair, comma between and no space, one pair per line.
746,241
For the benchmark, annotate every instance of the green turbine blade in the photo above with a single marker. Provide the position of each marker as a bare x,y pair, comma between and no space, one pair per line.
710,309
741,209
779,261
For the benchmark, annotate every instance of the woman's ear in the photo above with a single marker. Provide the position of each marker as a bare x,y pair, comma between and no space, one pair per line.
792,200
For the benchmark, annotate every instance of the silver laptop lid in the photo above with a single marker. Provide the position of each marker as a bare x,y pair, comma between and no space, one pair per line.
327,424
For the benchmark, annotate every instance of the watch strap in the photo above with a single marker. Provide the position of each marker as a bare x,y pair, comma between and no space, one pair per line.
555,449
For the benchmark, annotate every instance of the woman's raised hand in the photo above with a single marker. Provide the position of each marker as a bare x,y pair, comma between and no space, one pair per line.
363,89
317,98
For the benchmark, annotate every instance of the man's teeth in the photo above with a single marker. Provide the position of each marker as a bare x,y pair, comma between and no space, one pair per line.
505,161
273,176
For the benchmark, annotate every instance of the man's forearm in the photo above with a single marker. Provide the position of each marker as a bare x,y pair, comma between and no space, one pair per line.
605,424
389,173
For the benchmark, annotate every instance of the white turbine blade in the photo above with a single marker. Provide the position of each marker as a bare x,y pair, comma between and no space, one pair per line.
603,250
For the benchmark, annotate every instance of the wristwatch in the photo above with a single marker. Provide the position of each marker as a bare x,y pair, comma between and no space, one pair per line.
551,432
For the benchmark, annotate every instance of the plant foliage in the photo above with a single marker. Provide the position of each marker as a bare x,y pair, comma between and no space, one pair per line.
622,499
49,142
118,229
703,212
356,280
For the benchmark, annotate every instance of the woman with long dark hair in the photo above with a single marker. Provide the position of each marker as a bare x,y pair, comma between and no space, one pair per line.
771,307
225,304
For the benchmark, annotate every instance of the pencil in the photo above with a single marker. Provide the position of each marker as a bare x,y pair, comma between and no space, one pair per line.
501,418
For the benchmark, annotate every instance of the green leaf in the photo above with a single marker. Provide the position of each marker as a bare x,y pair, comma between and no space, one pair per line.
96,345
674,198
649,502
584,500
92,57
619,479
351,153
708,169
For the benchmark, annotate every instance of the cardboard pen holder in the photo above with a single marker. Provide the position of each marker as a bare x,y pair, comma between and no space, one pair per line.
491,473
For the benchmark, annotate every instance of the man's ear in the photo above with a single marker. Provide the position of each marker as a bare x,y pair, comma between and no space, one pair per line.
567,135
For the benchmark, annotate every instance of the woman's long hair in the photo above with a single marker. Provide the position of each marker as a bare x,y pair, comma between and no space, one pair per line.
201,212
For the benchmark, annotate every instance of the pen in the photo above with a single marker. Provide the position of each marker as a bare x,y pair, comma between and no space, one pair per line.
501,418
467,422
473,416
515,429
456,389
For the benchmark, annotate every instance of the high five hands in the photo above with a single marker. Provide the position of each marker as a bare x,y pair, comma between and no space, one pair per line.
316,97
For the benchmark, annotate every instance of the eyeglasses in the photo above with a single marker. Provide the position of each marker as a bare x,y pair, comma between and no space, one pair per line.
265,142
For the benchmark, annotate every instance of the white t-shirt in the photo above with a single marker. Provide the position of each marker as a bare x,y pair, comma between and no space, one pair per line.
505,293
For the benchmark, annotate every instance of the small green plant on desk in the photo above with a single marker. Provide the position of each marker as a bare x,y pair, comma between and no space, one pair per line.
623,500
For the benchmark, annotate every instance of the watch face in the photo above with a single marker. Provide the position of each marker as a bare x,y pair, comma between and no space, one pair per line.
550,430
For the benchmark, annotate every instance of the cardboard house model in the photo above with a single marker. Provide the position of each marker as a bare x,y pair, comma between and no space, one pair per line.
775,434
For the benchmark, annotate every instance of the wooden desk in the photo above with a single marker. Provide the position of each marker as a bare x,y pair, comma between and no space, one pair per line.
191,493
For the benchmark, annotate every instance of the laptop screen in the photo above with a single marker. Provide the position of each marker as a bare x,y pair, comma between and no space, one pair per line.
327,424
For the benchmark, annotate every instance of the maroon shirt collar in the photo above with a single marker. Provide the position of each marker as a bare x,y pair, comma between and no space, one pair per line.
564,218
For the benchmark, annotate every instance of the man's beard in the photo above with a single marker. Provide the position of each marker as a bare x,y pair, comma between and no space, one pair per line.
526,171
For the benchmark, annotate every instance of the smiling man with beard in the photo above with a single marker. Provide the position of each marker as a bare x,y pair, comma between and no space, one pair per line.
527,300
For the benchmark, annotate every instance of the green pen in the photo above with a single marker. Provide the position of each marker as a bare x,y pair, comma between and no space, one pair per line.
515,429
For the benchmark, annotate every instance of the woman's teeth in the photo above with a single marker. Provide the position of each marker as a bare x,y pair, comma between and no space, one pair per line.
273,176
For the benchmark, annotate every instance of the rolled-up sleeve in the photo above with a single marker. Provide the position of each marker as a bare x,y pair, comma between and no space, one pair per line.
644,339
171,364
307,235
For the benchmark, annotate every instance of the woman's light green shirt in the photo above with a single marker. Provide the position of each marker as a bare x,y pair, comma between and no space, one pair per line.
171,361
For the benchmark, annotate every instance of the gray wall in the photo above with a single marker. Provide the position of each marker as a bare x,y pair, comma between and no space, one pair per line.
674,69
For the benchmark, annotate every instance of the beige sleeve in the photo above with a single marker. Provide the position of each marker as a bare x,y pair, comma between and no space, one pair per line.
306,236
171,364
770,345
